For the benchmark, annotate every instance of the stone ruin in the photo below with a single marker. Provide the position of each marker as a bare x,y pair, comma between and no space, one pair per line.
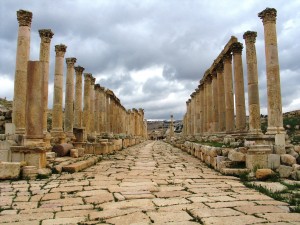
210,111
96,123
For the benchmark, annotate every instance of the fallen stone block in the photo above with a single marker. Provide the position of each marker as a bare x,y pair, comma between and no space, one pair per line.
80,152
74,153
62,150
236,156
234,171
78,166
50,155
273,161
263,174
9,170
284,171
287,159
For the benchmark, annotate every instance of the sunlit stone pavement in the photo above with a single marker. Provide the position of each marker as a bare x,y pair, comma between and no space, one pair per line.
150,183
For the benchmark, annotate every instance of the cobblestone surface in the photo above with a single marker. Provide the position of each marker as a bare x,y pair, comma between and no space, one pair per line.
151,183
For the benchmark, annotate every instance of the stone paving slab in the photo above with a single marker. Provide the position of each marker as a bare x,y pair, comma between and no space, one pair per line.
150,183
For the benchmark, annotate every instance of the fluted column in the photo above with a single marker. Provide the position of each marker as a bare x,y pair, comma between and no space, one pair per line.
78,97
275,120
252,75
92,106
97,109
215,110
69,98
205,126
240,119
46,36
87,102
20,82
57,114
228,89
221,97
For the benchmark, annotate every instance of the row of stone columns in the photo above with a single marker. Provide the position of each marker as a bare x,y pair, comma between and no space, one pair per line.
218,104
88,106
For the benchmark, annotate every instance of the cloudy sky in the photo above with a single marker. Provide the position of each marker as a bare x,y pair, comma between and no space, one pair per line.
152,53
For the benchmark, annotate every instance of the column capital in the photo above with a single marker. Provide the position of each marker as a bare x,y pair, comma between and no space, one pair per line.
70,62
237,48
250,36
227,57
60,50
79,69
97,87
220,67
46,35
24,18
268,15
87,76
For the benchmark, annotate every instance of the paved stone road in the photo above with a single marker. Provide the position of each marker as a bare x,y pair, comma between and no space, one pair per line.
151,183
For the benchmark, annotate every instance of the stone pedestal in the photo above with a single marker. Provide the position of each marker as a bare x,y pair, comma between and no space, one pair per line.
257,156
34,156
20,85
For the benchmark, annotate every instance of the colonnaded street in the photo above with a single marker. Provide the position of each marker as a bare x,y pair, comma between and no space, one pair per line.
150,183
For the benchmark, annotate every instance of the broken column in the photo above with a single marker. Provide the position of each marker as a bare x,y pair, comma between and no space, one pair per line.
46,36
57,114
78,97
228,89
253,92
69,99
240,119
275,120
20,82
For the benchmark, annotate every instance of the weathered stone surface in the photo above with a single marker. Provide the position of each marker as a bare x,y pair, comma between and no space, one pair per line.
74,153
284,171
263,174
287,159
236,156
273,161
9,170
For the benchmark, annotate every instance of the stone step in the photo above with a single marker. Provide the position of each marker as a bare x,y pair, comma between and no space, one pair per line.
234,171
81,165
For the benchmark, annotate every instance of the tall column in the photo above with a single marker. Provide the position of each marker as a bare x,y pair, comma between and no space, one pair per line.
97,109
209,104
221,97
108,103
201,86
57,115
228,89
240,119
46,36
275,120
252,74
189,117
78,97
103,110
192,113
92,106
20,82
204,107
86,102
197,109
34,103
69,98
215,110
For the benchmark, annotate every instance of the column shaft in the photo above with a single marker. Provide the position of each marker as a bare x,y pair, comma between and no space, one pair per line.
209,104
215,111
221,98
78,98
87,102
20,82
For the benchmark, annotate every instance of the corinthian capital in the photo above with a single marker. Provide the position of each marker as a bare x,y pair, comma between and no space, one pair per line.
70,62
268,15
237,48
24,18
60,50
79,69
250,36
46,35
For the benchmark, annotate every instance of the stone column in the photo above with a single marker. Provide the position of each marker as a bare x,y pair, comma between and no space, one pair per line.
215,111
197,109
209,103
78,97
240,120
46,36
97,109
252,74
192,113
34,103
204,107
69,98
201,86
57,115
221,97
189,117
275,120
103,110
87,102
108,103
228,89
92,106
171,127
20,82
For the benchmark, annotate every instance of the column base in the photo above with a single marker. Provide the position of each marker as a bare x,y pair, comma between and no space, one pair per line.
20,131
275,130
257,157
255,132
33,155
